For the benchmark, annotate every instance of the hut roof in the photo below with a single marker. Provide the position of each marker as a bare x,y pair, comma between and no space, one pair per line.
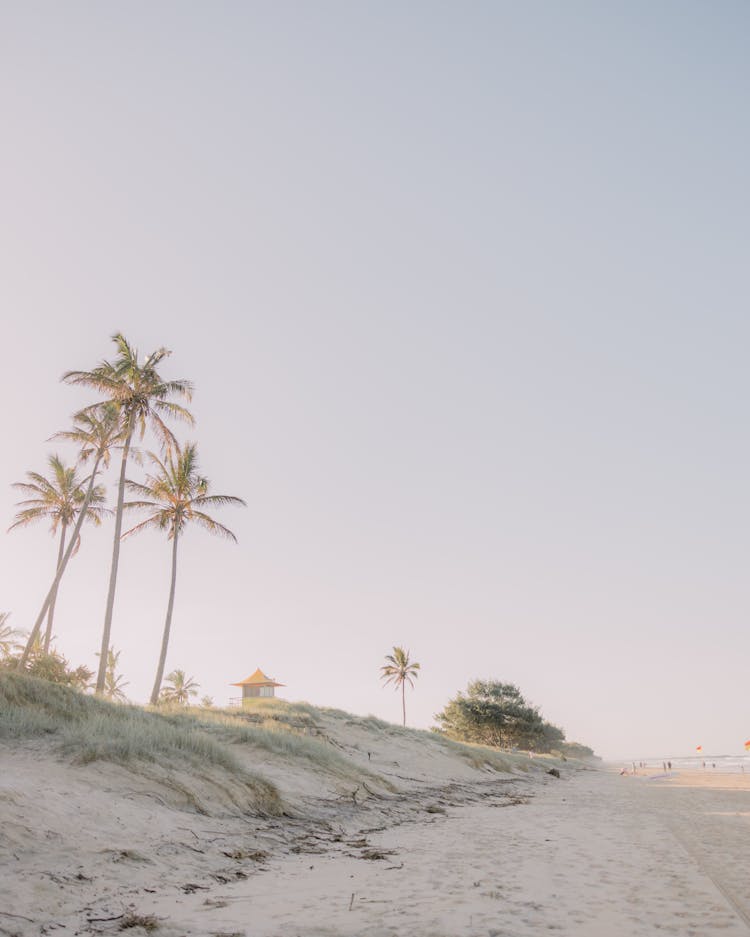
257,679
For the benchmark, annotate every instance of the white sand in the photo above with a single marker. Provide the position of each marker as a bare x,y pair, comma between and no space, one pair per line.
591,854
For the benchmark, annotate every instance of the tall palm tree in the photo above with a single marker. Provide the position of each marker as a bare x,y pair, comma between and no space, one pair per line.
141,396
96,433
399,670
181,689
59,500
175,496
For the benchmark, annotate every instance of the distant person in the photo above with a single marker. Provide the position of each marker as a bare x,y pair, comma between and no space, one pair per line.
669,765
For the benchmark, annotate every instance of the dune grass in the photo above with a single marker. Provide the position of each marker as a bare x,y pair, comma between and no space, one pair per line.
304,714
287,730
223,741
87,729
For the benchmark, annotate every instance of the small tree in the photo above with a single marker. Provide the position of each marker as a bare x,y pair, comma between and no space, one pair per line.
207,702
9,637
399,670
114,683
52,666
496,714
178,688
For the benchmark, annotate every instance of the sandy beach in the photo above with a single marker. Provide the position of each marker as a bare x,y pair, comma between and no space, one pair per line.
426,843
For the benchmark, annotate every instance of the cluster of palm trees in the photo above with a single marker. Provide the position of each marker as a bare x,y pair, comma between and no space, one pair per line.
133,397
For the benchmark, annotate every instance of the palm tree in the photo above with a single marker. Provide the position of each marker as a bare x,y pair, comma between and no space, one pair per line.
399,670
95,432
8,636
175,496
58,500
141,396
113,682
181,689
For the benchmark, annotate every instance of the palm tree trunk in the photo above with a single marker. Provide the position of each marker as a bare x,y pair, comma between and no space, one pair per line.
101,675
403,699
61,566
167,625
51,612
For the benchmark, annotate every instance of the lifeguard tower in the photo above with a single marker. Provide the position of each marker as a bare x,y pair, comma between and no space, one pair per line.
255,686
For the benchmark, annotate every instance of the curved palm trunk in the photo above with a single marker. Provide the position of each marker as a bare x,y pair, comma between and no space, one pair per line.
101,675
61,567
403,699
167,626
51,612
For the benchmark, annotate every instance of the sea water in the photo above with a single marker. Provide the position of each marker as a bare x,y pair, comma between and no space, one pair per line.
726,764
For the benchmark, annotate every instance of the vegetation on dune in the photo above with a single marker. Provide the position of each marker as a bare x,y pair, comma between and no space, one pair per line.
288,730
48,665
496,714
89,729
178,689
114,683
399,670
174,496
9,637
134,397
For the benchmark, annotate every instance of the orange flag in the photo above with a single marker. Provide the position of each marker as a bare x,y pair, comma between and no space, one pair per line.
699,748
747,745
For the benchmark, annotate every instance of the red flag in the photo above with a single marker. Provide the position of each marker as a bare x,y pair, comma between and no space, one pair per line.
699,748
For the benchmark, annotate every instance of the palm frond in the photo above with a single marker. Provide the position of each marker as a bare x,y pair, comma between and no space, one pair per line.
212,526
218,501
149,523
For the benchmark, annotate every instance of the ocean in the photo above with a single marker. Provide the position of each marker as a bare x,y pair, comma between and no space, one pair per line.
727,764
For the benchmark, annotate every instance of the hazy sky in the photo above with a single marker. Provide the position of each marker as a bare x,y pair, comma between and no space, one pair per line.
463,291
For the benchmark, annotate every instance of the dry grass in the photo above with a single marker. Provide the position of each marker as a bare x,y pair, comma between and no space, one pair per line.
287,730
87,729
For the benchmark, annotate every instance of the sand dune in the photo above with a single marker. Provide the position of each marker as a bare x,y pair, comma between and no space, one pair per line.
412,837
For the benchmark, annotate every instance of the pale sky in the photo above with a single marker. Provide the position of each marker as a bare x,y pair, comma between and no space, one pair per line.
462,288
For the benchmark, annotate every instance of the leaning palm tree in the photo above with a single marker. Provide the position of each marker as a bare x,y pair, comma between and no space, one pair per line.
96,433
179,688
399,670
59,500
175,496
141,396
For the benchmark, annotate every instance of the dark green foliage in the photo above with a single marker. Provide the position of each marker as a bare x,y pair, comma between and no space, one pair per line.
496,714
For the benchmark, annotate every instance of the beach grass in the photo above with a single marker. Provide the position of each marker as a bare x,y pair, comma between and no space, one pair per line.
86,729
